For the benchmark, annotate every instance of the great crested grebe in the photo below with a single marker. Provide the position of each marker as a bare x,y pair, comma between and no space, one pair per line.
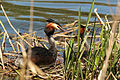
42,56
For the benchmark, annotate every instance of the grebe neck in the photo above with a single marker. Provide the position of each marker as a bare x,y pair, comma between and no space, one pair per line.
52,45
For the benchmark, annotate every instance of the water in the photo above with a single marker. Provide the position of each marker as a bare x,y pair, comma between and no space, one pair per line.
63,11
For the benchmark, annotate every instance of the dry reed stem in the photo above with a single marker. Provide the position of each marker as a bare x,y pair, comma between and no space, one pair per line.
74,36
13,27
1,76
67,32
107,22
36,43
31,27
26,35
14,68
18,48
30,31
23,68
7,72
100,20
10,54
1,56
31,16
3,43
109,76
1,33
7,36
71,24
36,70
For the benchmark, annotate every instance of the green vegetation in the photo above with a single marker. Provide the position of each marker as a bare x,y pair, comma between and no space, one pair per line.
90,69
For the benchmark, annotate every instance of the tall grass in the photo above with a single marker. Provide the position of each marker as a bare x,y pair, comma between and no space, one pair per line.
76,68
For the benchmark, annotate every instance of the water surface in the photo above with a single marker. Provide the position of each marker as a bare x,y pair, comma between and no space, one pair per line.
63,11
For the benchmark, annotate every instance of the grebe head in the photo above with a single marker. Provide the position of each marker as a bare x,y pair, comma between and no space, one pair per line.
51,26
50,20
82,29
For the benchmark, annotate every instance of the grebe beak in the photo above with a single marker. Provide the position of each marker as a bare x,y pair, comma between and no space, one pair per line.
58,27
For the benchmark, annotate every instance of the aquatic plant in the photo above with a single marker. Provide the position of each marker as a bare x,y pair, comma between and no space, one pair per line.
103,56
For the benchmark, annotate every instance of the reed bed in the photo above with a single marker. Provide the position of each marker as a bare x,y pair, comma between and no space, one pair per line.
97,60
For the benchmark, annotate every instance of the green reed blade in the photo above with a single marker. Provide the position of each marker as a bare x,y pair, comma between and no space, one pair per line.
79,26
85,39
89,15
115,55
119,38
70,50
79,70
98,49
